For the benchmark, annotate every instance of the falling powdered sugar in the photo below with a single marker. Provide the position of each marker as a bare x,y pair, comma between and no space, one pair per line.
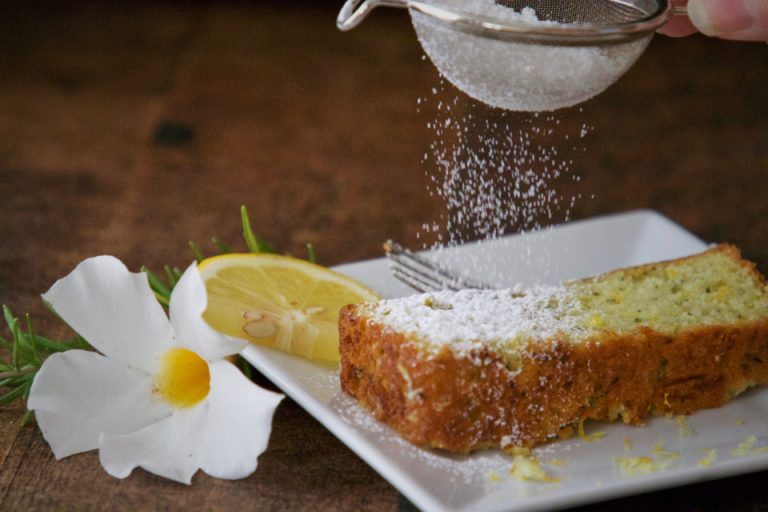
497,173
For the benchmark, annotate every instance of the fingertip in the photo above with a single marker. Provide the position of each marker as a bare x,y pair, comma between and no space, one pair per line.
731,19
679,26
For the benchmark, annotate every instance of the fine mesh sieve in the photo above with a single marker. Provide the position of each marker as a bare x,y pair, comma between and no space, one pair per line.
533,55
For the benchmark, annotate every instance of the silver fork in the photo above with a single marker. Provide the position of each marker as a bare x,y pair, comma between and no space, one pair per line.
424,275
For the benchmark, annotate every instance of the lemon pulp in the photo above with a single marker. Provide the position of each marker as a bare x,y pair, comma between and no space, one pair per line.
278,301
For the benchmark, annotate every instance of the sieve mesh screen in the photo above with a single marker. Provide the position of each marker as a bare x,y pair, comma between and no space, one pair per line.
599,12
531,55
523,74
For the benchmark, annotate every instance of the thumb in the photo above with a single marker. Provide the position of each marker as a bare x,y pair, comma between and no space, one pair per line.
745,20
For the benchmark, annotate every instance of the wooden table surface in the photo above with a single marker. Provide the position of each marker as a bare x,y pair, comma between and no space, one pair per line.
131,129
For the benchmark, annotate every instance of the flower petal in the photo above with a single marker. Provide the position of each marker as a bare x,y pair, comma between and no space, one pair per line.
77,395
168,448
239,423
115,310
188,303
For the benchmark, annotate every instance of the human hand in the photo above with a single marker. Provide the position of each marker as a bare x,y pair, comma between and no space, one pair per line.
745,20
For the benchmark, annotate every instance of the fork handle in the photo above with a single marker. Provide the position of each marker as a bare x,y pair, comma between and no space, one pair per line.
354,11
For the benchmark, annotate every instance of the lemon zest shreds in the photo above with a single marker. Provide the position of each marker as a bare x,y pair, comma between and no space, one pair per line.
683,428
493,476
633,466
710,457
747,448
527,468
558,463
663,454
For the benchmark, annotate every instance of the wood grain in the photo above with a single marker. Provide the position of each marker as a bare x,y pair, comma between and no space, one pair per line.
131,128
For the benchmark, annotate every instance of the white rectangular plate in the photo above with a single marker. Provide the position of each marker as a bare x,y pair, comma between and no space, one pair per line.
588,471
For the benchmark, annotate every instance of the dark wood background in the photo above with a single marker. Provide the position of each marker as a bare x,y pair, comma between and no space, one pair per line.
131,128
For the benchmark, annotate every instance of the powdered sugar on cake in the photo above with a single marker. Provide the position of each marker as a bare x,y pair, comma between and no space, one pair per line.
505,320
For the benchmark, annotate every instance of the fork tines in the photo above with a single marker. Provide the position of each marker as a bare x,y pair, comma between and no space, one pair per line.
423,275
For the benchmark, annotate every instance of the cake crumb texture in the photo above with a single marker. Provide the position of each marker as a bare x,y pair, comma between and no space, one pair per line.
666,338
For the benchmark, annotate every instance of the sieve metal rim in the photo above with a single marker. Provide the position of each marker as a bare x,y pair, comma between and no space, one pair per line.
354,11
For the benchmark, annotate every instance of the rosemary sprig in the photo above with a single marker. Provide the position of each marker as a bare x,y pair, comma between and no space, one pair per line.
253,242
29,350
311,253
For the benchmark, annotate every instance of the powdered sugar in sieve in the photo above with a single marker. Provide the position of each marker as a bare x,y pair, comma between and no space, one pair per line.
522,75
533,55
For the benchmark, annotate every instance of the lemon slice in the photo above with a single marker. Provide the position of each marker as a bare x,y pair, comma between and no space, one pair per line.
280,302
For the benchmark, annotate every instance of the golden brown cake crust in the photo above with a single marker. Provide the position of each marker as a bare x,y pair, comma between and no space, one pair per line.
456,404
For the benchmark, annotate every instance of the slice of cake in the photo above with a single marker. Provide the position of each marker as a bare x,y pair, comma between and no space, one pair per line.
474,369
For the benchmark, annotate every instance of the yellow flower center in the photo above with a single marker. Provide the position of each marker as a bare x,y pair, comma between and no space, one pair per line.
184,379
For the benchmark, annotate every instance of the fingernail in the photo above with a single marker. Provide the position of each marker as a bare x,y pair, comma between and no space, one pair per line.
719,17
699,16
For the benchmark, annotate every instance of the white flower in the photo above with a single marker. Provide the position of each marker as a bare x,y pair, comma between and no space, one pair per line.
161,396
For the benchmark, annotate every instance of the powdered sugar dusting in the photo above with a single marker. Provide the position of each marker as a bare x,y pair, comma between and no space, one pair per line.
504,320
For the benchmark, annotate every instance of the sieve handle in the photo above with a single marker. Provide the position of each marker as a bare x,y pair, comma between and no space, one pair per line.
354,11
